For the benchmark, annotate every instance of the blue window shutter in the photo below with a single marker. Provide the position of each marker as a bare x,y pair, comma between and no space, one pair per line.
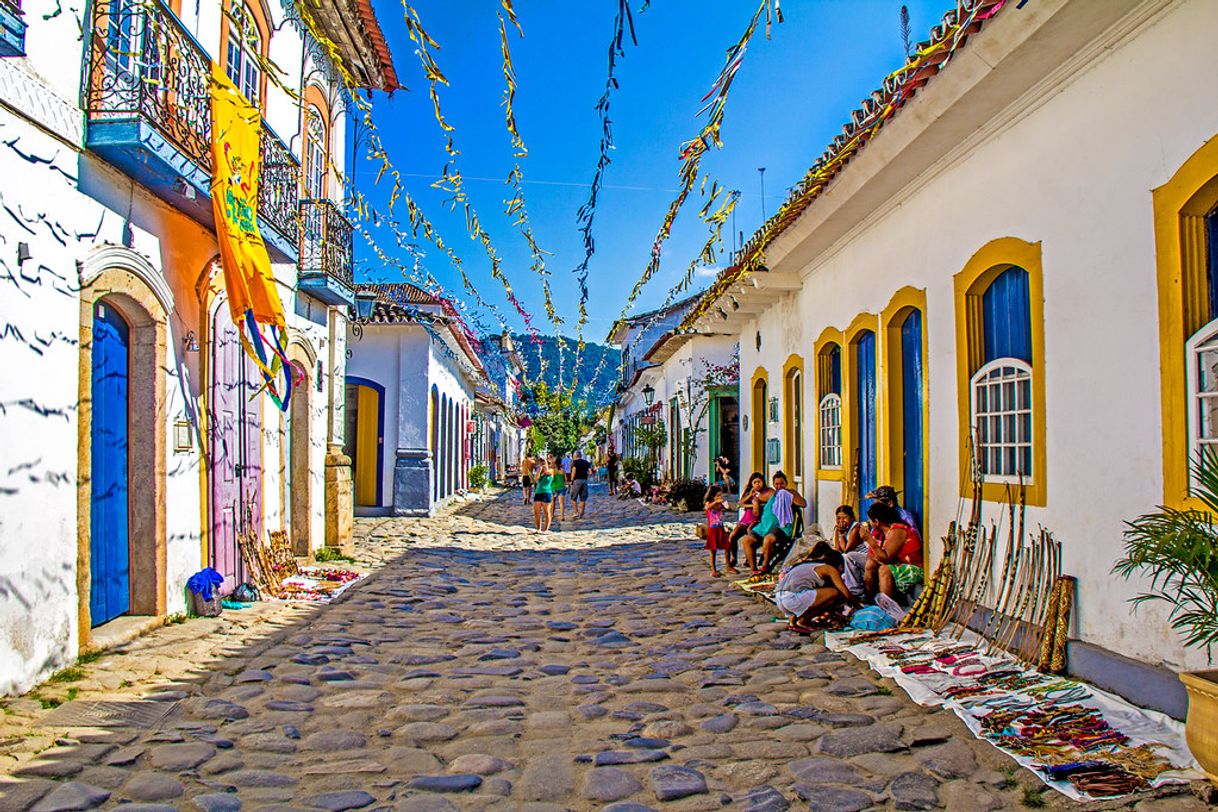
911,409
1007,323
1211,262
835,370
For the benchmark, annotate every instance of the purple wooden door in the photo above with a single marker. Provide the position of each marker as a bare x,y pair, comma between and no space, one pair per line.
236,445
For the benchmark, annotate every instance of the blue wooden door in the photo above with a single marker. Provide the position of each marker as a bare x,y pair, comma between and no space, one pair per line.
865,392
109,552
911,410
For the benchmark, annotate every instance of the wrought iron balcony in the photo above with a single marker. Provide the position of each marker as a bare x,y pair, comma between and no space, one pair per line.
148,108
12,29
326,245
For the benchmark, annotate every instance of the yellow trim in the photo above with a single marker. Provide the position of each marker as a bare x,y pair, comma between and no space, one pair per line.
829,336
862,322
795,363
1179,206
987,263
903,302
757,427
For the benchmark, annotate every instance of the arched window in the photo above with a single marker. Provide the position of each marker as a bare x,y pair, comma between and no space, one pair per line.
829,410
1001,390
759,420
245,50
793,417
1202,354
316,151
1000,358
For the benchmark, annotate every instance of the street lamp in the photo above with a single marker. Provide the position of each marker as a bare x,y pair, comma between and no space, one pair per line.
649,394
365,301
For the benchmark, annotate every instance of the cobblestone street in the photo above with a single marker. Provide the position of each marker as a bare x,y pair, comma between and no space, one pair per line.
485,666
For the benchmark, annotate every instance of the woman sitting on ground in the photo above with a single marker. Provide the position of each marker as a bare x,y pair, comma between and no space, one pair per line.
756,487
810,588
849,539
894,563
775,525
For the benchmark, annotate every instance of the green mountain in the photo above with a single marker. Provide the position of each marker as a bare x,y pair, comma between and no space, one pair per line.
596,359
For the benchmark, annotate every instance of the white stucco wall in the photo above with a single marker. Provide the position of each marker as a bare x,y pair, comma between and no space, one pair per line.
1073,170
65,204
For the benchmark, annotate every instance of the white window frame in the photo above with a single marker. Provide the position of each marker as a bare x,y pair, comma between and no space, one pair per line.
1193,350
1023,373
317,149
244,65
830,404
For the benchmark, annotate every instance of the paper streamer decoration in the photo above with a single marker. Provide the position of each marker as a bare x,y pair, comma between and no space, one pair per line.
586,215
249,283
898,87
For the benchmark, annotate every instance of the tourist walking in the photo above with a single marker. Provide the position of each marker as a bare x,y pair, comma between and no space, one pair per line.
543,499
558,487
581,470
528,467
611,472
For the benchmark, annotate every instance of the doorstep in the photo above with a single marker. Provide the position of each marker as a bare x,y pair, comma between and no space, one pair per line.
123,629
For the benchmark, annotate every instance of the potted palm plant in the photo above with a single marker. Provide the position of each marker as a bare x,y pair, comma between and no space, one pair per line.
1178,550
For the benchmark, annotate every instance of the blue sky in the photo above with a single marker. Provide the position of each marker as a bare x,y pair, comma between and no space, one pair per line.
788,101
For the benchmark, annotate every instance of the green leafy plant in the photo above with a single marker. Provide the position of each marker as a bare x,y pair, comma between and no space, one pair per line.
331,554
1034,797
477,477
687,494
69,674
1177,550
641,469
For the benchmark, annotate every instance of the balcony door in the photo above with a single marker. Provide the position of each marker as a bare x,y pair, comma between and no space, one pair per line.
236,449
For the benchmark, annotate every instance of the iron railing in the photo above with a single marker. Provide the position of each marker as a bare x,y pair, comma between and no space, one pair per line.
326,240
144,65
278,186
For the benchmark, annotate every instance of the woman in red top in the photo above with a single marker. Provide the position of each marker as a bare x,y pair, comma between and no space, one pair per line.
894,563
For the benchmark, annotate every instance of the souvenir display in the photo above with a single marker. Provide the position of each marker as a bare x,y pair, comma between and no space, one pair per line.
1083,742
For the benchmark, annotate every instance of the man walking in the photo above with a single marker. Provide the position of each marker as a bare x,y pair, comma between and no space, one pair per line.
580,470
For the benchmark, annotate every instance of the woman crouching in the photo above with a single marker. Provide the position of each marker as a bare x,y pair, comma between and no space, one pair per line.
811,587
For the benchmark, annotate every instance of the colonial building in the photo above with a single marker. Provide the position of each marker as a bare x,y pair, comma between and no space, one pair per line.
499,440
1007,261
410,383
686,380
135,445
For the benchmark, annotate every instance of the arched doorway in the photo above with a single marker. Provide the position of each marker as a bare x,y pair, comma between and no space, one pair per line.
364,438
759,418
299,473
864,413
911,414
121,453
109,508
236,448
435,444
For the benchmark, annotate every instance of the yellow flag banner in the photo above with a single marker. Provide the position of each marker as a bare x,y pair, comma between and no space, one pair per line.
248,281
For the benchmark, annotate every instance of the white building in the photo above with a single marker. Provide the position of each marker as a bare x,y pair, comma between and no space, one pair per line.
687,380
410,384
499,440
131,450
1027,245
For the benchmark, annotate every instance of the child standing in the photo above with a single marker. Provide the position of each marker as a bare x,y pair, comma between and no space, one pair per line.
543,499
716,535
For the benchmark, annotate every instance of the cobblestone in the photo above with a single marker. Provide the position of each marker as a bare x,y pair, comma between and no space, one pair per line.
486,666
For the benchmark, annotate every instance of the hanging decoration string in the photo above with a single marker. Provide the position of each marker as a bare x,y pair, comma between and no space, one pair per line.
586,215
898,88
515,207
450,180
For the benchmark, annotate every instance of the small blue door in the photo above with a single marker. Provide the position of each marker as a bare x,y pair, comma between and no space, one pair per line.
109,557
865,392
911,409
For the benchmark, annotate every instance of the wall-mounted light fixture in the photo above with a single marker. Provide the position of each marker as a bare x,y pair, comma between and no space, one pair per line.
183,438
649,394
190,342
23,252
